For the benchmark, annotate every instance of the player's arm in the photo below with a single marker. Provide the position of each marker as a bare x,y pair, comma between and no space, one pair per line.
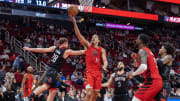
107,84
104,58
143,66
72,52
81,38
40,50
166,59
23,83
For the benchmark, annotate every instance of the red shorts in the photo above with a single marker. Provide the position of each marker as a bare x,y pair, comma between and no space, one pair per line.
27,92
93,80
149,90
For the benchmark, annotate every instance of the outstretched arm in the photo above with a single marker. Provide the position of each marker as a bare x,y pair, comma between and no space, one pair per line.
72,52
81,38
104,58
40,50
107,84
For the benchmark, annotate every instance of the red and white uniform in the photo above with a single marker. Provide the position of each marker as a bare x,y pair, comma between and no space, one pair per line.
93,67
28,85
153,81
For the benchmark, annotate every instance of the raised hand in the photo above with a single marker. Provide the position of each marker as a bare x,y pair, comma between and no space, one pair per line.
72,18
26,48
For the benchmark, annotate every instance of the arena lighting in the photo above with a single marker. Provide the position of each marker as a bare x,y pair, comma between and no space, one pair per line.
170,1
124,13
113,12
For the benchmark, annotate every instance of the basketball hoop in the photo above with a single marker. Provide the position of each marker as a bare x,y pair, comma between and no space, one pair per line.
86,5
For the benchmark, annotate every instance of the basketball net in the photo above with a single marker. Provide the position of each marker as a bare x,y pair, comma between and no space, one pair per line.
86,5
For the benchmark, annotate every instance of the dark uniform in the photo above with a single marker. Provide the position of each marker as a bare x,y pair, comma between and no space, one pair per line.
164,71
56,63
120,88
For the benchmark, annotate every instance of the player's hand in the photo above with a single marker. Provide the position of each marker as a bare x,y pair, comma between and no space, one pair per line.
26,48
22,92
140,85
73,18
130,74
105,69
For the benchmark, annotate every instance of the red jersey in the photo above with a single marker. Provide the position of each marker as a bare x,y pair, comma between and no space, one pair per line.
93,58
28,85
152,71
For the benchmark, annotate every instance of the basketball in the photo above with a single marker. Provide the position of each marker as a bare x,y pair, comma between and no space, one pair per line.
73,10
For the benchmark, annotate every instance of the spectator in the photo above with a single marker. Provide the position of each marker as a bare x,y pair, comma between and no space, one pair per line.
1,95
18,77
1,46
7,50
68,82
63,97
18,96
14,85
2,74
4,62
82,96
74,76
21,63
108,97
71,96
4,56
178,92
27,43
12,58
79,66
18,63
9,95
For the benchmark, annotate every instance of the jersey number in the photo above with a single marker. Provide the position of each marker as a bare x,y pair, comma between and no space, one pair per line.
119,84
54,58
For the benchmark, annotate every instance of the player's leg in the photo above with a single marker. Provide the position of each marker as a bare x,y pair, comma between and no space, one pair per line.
41,88
97,86
94,95
89,86
50,78
165,91
52,93
89,92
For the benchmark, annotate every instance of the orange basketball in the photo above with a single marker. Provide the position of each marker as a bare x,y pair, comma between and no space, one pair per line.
73,10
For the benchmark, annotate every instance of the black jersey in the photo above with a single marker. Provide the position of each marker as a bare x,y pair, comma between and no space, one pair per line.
164,70
57,59
120,84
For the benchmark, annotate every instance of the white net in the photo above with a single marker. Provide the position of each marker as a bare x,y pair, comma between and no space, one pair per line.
86,5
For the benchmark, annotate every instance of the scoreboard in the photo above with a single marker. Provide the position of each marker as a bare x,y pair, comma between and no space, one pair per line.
29,2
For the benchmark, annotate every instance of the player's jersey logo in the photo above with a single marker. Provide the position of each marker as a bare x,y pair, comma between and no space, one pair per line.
94,53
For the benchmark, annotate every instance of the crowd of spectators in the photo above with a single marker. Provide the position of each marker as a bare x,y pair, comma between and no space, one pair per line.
119,45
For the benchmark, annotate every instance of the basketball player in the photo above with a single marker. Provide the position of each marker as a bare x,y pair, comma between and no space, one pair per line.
57,60
94,55
149,69
164,64
120,84
27,83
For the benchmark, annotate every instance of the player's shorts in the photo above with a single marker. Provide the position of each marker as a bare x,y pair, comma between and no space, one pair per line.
51,78
93,80
165,91
121,97
149,89
27,92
